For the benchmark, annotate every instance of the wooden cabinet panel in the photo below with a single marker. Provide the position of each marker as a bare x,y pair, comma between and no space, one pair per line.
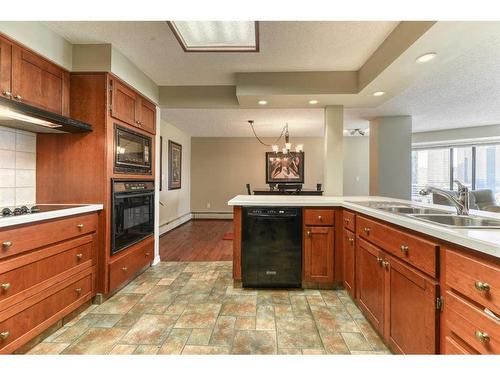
474,278
124,105
20,239
349,256
318,254
23,276
415,250
37,82
5,68
349,220
370,285
411,315
451,346
127,265
147,116
472,325
25,323
318,217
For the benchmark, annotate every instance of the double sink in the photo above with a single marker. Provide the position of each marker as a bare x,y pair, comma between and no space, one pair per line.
435,216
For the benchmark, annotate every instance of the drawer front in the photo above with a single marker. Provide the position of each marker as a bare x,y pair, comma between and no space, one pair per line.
26,324
418,252
474,278
28,237
23,276
472,325
451,346
318,217
126,266
348,219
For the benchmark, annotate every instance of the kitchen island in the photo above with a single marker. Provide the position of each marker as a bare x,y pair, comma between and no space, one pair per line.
425,288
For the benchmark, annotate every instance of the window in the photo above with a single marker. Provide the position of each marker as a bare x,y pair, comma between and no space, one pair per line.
476,166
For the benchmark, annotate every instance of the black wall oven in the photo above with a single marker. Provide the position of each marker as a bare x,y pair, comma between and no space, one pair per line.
132,217
133,152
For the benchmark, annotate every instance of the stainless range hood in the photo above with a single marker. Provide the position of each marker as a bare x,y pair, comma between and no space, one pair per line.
18,115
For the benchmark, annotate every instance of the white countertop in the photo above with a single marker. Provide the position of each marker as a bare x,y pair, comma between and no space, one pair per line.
39,216
483,240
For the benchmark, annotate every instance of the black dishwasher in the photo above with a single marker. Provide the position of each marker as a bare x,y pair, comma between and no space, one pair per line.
271,247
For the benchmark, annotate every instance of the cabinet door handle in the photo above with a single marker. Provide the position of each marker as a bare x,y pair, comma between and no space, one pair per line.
124,269
482,287
347,221
5,286
351,240
79,256
320,218
80,226
482,337
308,233
385,264
7,94
6,244
404,249
379,260
4,335
147,253
18,97
366,230
78,291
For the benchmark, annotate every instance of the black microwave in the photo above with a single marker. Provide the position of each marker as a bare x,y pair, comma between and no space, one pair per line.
133,152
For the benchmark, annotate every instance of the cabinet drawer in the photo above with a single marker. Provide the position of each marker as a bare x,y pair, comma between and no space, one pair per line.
22,326
474,278
23,276
469,322
126,266
418,252
348,219
19,239
451,346
318,217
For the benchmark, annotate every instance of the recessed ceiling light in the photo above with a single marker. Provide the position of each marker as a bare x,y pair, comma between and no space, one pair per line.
313,101
378,93
262,102
427,57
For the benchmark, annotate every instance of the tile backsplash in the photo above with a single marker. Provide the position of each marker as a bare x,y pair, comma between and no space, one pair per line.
17,167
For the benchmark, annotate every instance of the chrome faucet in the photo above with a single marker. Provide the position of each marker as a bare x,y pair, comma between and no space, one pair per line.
461,203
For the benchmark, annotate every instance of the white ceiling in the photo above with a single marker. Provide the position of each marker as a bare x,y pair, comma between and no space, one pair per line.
234,122
284,46
463,91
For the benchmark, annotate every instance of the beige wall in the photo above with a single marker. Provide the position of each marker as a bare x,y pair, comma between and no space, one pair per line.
356,166
175,204
220,168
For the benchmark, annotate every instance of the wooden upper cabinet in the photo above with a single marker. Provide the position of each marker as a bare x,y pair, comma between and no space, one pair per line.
349,247
38,82
370,283
5,68
123,103
318,254
410,312
129,107
147,116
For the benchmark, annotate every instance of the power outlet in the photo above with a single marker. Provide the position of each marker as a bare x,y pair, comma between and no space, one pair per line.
209,204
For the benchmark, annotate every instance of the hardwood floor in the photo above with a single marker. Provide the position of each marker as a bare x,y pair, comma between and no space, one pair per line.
197,240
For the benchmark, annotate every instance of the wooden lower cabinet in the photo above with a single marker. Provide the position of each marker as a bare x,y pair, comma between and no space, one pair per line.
370,283
349,261
411,317
318,254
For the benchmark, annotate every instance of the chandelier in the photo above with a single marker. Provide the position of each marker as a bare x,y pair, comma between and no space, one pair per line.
275,147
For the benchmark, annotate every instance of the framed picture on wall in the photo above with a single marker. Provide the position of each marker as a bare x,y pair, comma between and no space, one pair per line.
284,168
174,165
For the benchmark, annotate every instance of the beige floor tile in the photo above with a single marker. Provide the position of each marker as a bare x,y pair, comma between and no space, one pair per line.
240,306
96,341
289,351
203,315
245,323
313,351
74,332
150,330
196,349
165,281
118,304
48,348
123,349
254,342
175,341
265,318
223,332
199,336
315,301
147,349
356,341
160,294
334,343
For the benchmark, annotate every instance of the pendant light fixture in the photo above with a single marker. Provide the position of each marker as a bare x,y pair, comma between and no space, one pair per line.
275,147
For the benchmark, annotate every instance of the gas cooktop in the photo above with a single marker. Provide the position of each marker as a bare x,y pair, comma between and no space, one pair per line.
26,210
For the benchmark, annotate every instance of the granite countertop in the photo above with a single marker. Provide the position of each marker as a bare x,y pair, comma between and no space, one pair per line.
486,241
74,209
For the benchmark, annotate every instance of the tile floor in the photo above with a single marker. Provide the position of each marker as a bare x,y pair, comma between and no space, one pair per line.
192,308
